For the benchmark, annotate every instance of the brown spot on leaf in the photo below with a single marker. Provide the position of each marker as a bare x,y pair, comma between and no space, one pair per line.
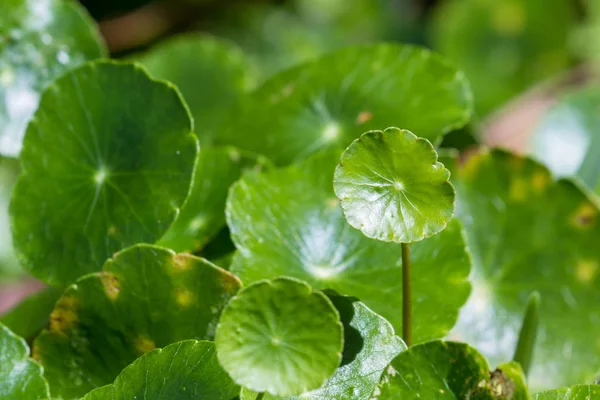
182,261
364,117
144,344
111,284
585,216
64,315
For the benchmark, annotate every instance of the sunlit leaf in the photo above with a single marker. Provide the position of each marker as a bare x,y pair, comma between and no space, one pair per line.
578,392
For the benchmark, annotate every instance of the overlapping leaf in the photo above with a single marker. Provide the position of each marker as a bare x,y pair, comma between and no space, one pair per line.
145,297
39,41
369,346
107,161
183,370
289,222
280,337
331,101
528,233
212,74
20,377
31,315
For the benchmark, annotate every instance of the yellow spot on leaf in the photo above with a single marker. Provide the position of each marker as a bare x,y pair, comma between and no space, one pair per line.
509,18
64,315
184,297
586,270
182,262
112,230
364,117
540,180
111,284
585,216
472,164
518,189
230,283
143,344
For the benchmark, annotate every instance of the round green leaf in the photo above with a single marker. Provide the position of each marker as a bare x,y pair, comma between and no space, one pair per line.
203,214
289,222
578,392
329,102
567,139
212,74
504,46
392,187
449,371
369,346
528,233
183,370
20,377
145,297
280,337
39,41
109,173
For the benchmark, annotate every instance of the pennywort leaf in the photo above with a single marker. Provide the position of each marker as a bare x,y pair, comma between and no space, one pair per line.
107,161
578,392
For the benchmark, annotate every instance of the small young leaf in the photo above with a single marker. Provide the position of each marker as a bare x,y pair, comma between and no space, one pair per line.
106,162
567,139
289,222
31,315
448,371
280,337
578,392
20,377
212,74
392,187
183,370
39,41
203,214
369,346
528,233
330,102
145,297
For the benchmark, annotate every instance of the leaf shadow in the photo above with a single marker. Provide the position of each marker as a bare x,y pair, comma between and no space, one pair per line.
353,340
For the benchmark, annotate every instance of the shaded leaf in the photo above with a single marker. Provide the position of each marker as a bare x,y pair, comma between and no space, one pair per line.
448,370
280,337
20,377
369,346
107,161
528,233
183,370
39,41
289,222
212,74
145,297
203,215
392,187
329,102
31,315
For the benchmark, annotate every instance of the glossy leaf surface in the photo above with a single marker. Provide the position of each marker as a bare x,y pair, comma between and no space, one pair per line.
392,187
145,297
107,161
39,41
203,215
212,74
448,371
289,222
280,337
369,346
183,370
333,100
20,377
528,233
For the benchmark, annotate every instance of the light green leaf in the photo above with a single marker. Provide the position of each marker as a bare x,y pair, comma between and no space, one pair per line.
392,187
578,392
145,297
39,41
528,233
280,337
449,371
329,102
106,162
369,346
567,139
289,222
212,74
203,215
31,315
20,377
183,370
504,46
